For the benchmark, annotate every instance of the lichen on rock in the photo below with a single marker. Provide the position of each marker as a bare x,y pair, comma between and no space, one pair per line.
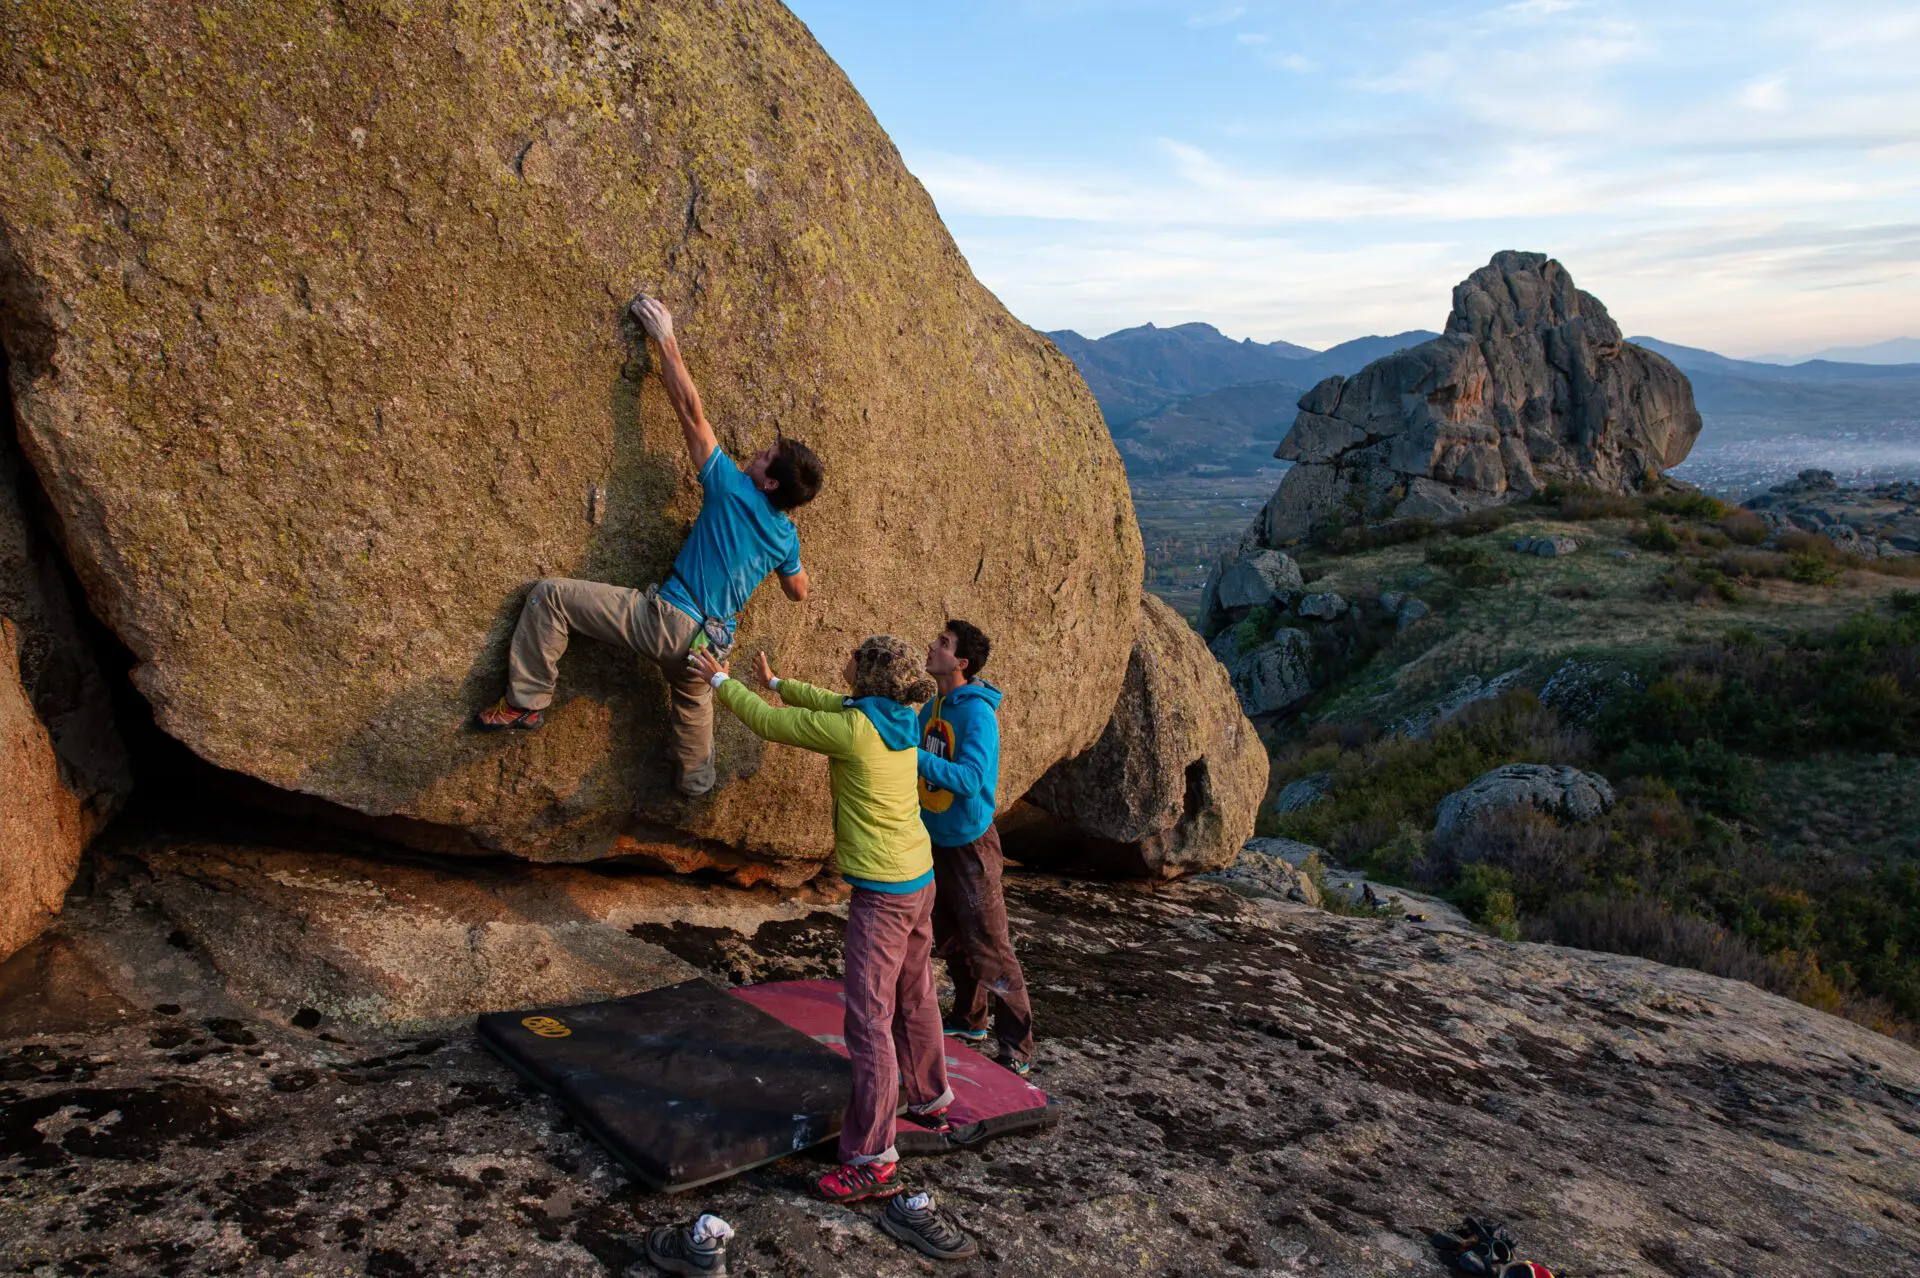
315,316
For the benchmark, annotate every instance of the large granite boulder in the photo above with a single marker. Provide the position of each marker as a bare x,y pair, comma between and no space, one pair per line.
1565,792
315,320
1530,384
1276,675
42,823
1174,783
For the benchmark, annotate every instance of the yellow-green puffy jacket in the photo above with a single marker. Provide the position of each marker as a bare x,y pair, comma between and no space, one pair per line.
880,842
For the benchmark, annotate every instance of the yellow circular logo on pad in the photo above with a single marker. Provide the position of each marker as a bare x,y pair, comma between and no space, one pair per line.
546,1027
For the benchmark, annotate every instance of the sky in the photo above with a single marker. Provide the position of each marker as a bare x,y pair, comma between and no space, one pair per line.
1740,176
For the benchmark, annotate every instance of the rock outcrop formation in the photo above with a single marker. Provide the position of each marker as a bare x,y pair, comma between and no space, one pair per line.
1254,1087
42,824
1568,793
1530,384
314,315
1174,783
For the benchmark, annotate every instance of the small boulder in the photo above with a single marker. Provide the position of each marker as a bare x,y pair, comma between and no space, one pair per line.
1275,675
1411,610
1523,545
1255,580
1303,792
1172,785
1564,792
1262,871
1554,547
1324,606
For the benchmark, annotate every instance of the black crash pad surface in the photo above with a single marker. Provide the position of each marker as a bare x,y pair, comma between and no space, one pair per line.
684,1084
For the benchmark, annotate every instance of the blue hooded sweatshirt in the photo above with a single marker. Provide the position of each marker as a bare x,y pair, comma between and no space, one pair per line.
959,763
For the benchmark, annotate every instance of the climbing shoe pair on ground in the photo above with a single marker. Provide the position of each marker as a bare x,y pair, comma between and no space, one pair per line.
968,1034
1483,1247
699,1247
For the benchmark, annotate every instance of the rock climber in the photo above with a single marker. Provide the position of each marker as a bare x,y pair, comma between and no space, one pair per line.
881,849
959,764
743,532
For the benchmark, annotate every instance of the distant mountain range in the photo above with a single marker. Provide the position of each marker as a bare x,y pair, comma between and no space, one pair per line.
1895,350
1138,371
1191,399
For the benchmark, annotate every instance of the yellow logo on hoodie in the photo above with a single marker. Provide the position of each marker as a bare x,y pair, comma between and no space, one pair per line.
938,740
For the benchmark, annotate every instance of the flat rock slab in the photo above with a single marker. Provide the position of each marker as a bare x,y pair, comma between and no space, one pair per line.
1266,1090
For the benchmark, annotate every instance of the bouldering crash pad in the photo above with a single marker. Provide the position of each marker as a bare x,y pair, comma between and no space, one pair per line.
690,1084
988,1098
683,1085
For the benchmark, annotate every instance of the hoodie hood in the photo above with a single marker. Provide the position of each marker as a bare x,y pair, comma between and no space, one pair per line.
897,724
976,690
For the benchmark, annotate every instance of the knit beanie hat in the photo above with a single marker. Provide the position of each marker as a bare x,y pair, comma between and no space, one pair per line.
884,666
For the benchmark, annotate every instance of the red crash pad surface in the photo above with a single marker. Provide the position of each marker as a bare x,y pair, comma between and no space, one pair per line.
988,1098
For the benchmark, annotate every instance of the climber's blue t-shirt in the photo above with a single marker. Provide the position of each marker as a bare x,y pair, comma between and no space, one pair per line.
737,540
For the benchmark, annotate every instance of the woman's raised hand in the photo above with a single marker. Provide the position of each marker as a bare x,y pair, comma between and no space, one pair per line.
703,662
763,669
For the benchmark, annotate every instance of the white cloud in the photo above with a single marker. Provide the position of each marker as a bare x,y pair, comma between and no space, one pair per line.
1768,93
1296,62
1218,17
1251,37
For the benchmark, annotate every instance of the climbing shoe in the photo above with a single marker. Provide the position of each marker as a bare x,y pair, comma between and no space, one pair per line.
1014,1063
503,716
915,1221
965,1033
1477,1247
698,1247
852,1182
934,1120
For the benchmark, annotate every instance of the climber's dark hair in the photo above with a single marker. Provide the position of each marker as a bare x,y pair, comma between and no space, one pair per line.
970,645
798,471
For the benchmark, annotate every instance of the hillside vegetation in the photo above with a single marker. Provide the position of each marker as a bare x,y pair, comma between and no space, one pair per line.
1756,709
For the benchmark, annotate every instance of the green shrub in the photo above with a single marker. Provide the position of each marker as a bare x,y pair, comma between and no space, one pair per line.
1745,527
1905,603
1658,535
1584,504
1705,773
1696,583
1455,555
1474,523
1811,570
1484,894
1688,505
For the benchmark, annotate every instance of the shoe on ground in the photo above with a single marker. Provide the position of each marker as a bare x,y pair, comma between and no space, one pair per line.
934,1120
504,716
1014,1063
698,1247
915,1221
852,1182
965,1033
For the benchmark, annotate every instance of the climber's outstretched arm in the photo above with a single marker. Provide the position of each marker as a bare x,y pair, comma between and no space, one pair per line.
681,393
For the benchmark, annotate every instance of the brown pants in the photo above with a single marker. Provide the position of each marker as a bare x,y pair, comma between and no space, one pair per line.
893,1018
970,933
638,620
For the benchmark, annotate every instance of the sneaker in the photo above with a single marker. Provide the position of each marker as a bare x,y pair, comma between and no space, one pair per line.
965,1033
502,715
915,1221
698,1247
852,1182
1018,1066
934,1120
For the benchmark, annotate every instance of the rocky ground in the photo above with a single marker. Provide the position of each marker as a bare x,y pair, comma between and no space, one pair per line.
1254,1087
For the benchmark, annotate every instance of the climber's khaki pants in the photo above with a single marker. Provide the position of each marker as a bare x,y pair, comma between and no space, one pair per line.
640,621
